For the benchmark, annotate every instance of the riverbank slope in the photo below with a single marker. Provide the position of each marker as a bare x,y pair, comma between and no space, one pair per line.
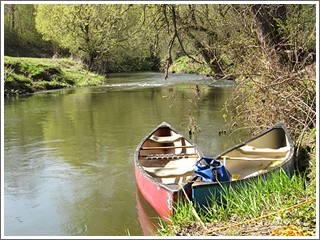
29,75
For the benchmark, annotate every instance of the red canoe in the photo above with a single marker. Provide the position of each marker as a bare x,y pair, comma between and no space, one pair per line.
164,162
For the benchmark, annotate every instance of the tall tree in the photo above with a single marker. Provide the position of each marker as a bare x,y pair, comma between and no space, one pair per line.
21,37
276,31
265,17
88,30
207,50
190,29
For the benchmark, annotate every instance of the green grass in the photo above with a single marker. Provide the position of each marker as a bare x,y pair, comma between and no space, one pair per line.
253,200
28,75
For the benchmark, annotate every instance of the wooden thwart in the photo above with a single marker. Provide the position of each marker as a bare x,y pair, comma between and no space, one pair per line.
163,162
252,158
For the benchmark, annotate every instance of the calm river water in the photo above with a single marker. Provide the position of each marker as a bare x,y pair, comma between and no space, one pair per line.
68,154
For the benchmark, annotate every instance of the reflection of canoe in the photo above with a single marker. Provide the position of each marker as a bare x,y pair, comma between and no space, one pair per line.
164,161
259,156
147,216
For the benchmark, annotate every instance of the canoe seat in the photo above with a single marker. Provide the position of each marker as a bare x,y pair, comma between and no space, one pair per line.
174,182
165,139
266,152
255,158
174,168
269,167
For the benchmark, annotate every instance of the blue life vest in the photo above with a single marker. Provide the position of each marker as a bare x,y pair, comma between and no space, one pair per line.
211,170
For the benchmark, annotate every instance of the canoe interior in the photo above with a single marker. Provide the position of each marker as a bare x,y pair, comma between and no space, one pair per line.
258,155
168,157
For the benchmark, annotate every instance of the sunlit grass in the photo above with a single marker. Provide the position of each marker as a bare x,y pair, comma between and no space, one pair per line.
46,73
252,200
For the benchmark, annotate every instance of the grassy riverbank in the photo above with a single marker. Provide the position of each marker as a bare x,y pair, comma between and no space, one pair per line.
249,203
28,75
273,200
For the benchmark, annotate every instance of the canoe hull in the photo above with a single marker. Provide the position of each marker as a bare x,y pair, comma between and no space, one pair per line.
160,168
159,198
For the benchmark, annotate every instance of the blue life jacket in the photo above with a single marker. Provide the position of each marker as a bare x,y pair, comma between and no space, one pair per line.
211,170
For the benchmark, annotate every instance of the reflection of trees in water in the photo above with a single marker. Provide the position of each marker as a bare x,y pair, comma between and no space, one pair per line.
102,127
82,143
25,153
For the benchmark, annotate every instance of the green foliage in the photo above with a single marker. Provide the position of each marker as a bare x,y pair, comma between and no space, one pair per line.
105,36
279,83
21,37
130,37
298,30
186,65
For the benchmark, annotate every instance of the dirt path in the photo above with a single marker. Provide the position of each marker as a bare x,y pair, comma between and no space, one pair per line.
260,228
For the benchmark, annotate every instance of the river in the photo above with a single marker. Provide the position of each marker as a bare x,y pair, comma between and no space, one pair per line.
68,154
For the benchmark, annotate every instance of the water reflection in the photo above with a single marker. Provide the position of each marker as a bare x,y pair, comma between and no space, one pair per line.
147,216
68,155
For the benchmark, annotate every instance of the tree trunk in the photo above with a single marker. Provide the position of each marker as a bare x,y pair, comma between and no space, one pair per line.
265,17
266,24
268,30
209,58
13,8
208,55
